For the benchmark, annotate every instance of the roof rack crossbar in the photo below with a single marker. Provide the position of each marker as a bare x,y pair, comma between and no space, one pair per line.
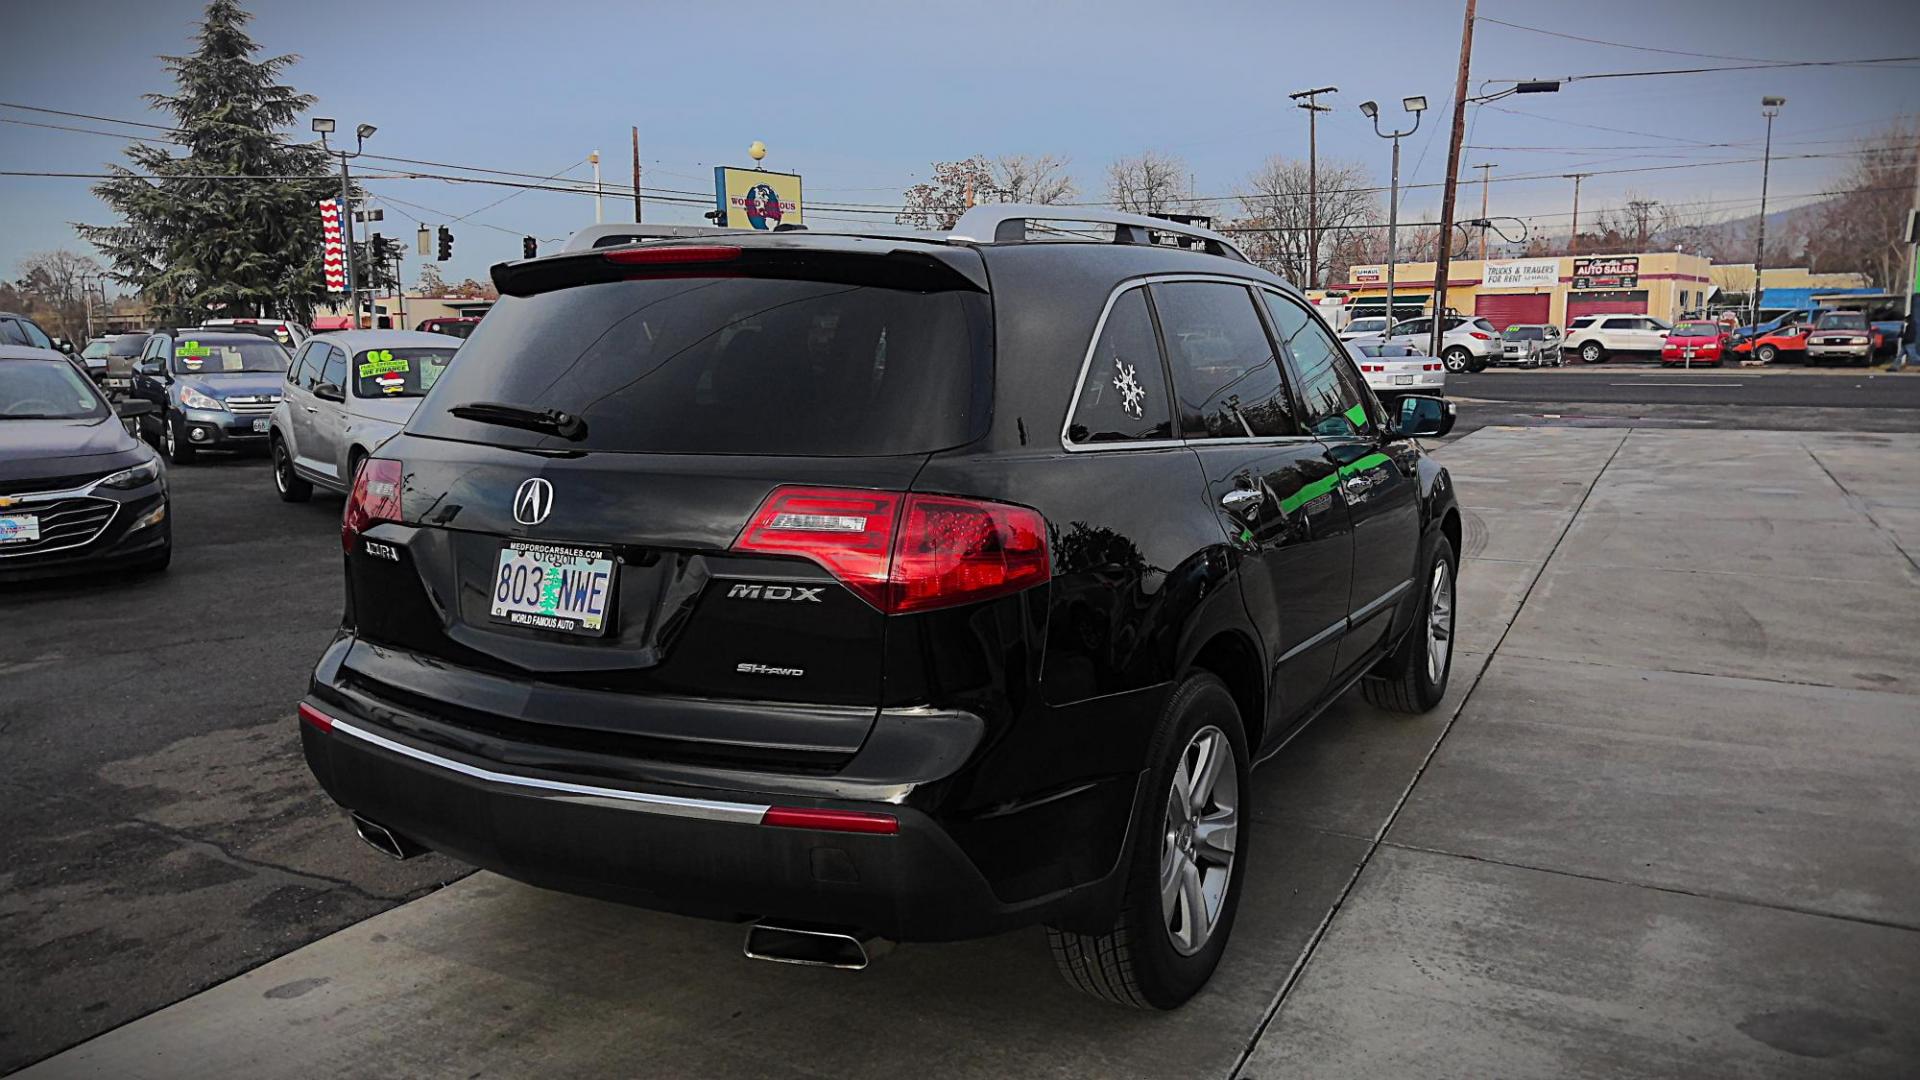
1006,223
599,236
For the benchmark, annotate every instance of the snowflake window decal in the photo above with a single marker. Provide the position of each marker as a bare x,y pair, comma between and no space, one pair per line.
1133,396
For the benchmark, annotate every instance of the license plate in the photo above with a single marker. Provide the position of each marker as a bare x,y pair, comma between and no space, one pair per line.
553,587
260,424
119,384
19,528
1403,380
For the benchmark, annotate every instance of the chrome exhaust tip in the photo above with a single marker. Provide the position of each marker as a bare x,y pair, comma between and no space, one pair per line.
815,946
385,840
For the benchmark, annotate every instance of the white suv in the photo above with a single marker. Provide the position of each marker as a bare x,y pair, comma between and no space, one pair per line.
1596,337
1469,344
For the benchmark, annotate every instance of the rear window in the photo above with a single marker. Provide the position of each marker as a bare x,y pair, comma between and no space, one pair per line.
404,372
728,366
451,329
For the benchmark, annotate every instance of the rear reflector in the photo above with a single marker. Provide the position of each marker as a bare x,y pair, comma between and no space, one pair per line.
793,817
311,715
904,553
662,256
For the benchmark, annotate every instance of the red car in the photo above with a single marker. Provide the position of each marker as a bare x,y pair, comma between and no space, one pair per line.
1696,343
452,327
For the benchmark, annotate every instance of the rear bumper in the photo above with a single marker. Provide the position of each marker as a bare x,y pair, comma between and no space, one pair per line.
700,851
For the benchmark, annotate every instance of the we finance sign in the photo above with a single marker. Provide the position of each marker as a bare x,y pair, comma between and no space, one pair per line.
1521,274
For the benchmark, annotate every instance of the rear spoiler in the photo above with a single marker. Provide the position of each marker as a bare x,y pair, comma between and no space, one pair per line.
913,266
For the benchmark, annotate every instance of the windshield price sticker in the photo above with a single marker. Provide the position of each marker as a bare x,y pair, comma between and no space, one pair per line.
191,348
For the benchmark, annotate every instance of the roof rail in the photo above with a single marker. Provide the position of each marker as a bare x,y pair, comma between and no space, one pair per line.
599,236
1006,223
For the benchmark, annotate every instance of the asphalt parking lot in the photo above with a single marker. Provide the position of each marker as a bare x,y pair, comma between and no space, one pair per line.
1665,825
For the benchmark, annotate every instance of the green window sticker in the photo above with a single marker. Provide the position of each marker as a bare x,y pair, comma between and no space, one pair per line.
382,362
191,348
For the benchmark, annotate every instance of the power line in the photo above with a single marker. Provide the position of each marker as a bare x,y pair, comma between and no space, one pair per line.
1636,48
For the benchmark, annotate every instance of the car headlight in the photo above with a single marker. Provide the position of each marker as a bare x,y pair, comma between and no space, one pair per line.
127,479
194,399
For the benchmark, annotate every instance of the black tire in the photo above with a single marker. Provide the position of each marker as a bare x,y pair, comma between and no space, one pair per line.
285,481
1135,962
1767,354
1405,681
1593,353
1457,360
173,441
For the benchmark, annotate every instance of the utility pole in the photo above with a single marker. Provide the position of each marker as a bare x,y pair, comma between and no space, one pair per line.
1445,254
1484,174
1314,109
636,175
1913,239
1573,237
1769,108
595,158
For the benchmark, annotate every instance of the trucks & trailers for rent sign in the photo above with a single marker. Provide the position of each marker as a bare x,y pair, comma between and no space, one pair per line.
1522,274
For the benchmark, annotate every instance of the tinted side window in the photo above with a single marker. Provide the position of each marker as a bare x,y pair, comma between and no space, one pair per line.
302,370
35,336
1330,391
1224,367
335,371
1124,395
11,334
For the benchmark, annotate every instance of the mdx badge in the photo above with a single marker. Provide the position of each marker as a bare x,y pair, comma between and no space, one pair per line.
533,502
776,592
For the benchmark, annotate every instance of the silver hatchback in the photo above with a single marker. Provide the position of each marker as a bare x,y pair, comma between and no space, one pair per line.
346,394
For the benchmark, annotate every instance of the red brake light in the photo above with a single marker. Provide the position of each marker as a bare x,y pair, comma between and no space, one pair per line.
659,256
376,497
904,553
311,715
793,817
1477,334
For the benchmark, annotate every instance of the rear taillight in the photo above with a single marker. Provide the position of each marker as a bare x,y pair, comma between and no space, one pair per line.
1429,367
375,498
904,553
310,715
1478,336
666,256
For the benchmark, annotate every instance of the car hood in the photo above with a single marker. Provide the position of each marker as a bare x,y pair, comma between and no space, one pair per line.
40,449
394,411
236,383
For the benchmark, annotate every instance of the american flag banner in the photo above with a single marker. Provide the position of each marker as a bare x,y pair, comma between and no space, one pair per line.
333,253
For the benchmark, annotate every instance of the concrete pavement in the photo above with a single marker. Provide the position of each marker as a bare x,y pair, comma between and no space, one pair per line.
1666,824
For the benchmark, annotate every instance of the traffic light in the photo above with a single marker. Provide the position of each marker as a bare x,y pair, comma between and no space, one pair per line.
528,247
376,246
446,243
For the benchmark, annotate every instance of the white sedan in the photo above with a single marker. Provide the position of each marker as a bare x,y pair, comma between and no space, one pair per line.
1395,367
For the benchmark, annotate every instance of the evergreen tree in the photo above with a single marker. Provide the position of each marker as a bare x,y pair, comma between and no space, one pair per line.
231,227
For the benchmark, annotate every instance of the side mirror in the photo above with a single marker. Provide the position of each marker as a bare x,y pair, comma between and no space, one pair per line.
130,409
1422,416
327,391
148,367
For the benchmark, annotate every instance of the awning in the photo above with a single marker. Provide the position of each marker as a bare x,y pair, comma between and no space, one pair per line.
1360,304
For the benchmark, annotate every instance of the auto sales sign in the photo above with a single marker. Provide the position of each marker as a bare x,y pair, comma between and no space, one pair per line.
1522,274
1609,272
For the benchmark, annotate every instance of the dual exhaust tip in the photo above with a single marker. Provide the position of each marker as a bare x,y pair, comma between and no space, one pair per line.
782,943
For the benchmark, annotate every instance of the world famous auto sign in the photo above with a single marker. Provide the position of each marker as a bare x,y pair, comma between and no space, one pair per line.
755,198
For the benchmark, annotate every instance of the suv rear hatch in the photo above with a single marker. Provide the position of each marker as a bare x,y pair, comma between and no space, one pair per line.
565,561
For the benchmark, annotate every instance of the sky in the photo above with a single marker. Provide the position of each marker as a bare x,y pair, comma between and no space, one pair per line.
860,97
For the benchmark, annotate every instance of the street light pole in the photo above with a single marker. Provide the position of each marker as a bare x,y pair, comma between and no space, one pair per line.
1416,106
1769,108
325,125
1314,109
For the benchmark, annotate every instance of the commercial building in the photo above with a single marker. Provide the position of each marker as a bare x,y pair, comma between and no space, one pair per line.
1554,290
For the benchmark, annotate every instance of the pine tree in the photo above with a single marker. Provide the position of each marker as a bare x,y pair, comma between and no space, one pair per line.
231,227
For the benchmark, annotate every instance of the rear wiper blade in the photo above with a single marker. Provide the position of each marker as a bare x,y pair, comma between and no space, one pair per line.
550,421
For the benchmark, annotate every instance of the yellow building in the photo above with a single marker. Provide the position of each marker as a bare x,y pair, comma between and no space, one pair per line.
1553,290
1738,277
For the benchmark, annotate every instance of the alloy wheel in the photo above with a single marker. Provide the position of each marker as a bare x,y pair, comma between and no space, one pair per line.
1439,621
1590,353
280,467
1456,362
1196,853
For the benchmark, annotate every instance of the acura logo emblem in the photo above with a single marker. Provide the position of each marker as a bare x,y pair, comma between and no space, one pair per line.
533,502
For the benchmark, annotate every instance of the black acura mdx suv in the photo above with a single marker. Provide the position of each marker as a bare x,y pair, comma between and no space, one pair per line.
882,588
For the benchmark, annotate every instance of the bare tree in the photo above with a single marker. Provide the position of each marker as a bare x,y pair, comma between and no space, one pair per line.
1274,226
1864,229
1023,178
937,204
1151,183
54,282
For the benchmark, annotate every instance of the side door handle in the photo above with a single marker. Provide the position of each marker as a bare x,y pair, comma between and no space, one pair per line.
1243,503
